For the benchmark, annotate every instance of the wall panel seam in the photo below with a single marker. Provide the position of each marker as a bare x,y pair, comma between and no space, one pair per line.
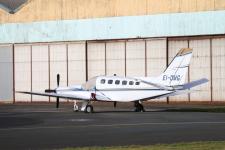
31,74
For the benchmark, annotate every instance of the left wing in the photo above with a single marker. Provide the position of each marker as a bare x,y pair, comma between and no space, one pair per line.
85,95
78,95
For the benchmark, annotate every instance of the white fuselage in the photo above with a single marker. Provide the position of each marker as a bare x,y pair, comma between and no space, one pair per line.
115,88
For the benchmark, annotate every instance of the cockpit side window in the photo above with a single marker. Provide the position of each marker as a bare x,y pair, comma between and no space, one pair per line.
124,82
117,82
102,81
110,81
131,82
137,83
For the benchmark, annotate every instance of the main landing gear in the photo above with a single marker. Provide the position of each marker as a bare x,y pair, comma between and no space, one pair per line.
138,107
86,107
75,107
89,109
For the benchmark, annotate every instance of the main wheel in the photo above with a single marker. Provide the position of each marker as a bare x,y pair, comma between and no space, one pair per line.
75,108
141,108
89,109
138,107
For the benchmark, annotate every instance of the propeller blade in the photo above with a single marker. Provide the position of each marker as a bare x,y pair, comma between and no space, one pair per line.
57,99
58,79
57,102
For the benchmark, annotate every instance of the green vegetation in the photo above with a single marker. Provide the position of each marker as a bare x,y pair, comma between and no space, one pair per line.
213,145
210,109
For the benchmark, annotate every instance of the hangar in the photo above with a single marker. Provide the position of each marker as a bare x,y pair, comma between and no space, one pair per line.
80,39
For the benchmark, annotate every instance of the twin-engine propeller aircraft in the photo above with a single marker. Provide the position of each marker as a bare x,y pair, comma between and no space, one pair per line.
129,89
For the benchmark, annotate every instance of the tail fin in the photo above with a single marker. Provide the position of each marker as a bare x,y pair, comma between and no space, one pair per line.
175,73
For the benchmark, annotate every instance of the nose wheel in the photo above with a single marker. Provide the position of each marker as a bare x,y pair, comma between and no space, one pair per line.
138,107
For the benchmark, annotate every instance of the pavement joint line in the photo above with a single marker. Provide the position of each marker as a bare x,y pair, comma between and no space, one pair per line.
112,125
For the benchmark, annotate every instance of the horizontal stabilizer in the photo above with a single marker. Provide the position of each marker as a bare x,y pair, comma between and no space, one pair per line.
185,88
194,83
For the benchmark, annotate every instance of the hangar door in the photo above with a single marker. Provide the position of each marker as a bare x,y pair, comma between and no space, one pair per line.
156,52
218,69
36,67
6,73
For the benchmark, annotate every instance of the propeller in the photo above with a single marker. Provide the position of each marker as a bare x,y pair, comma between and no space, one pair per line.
54,91
58,79
57,98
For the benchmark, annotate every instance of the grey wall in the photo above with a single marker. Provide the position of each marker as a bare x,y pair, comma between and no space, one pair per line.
6,73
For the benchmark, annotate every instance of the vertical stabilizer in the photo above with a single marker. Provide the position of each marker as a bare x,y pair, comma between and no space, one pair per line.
176,72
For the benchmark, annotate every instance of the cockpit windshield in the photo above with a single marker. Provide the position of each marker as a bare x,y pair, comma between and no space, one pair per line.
90,84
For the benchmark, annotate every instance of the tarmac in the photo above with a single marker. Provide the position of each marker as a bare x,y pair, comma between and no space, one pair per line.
38,126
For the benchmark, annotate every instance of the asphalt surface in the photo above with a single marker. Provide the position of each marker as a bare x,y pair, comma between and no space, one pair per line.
44,127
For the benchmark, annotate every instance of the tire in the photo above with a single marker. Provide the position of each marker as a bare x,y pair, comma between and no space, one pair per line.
89,109
75,109
139,108
142,108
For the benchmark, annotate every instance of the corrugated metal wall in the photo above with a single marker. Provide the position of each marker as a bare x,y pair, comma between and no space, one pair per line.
36,65
58,65
76,63
42,10
22,59
115,58
218,69
200,68
156,57
40,73
135,58
96,59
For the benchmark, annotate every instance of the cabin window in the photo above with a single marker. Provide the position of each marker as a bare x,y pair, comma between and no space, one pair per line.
137,83
131,82
117,82
124,82
102,81
110,81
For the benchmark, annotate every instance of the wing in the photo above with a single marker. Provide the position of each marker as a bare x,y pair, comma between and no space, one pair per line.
85,95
